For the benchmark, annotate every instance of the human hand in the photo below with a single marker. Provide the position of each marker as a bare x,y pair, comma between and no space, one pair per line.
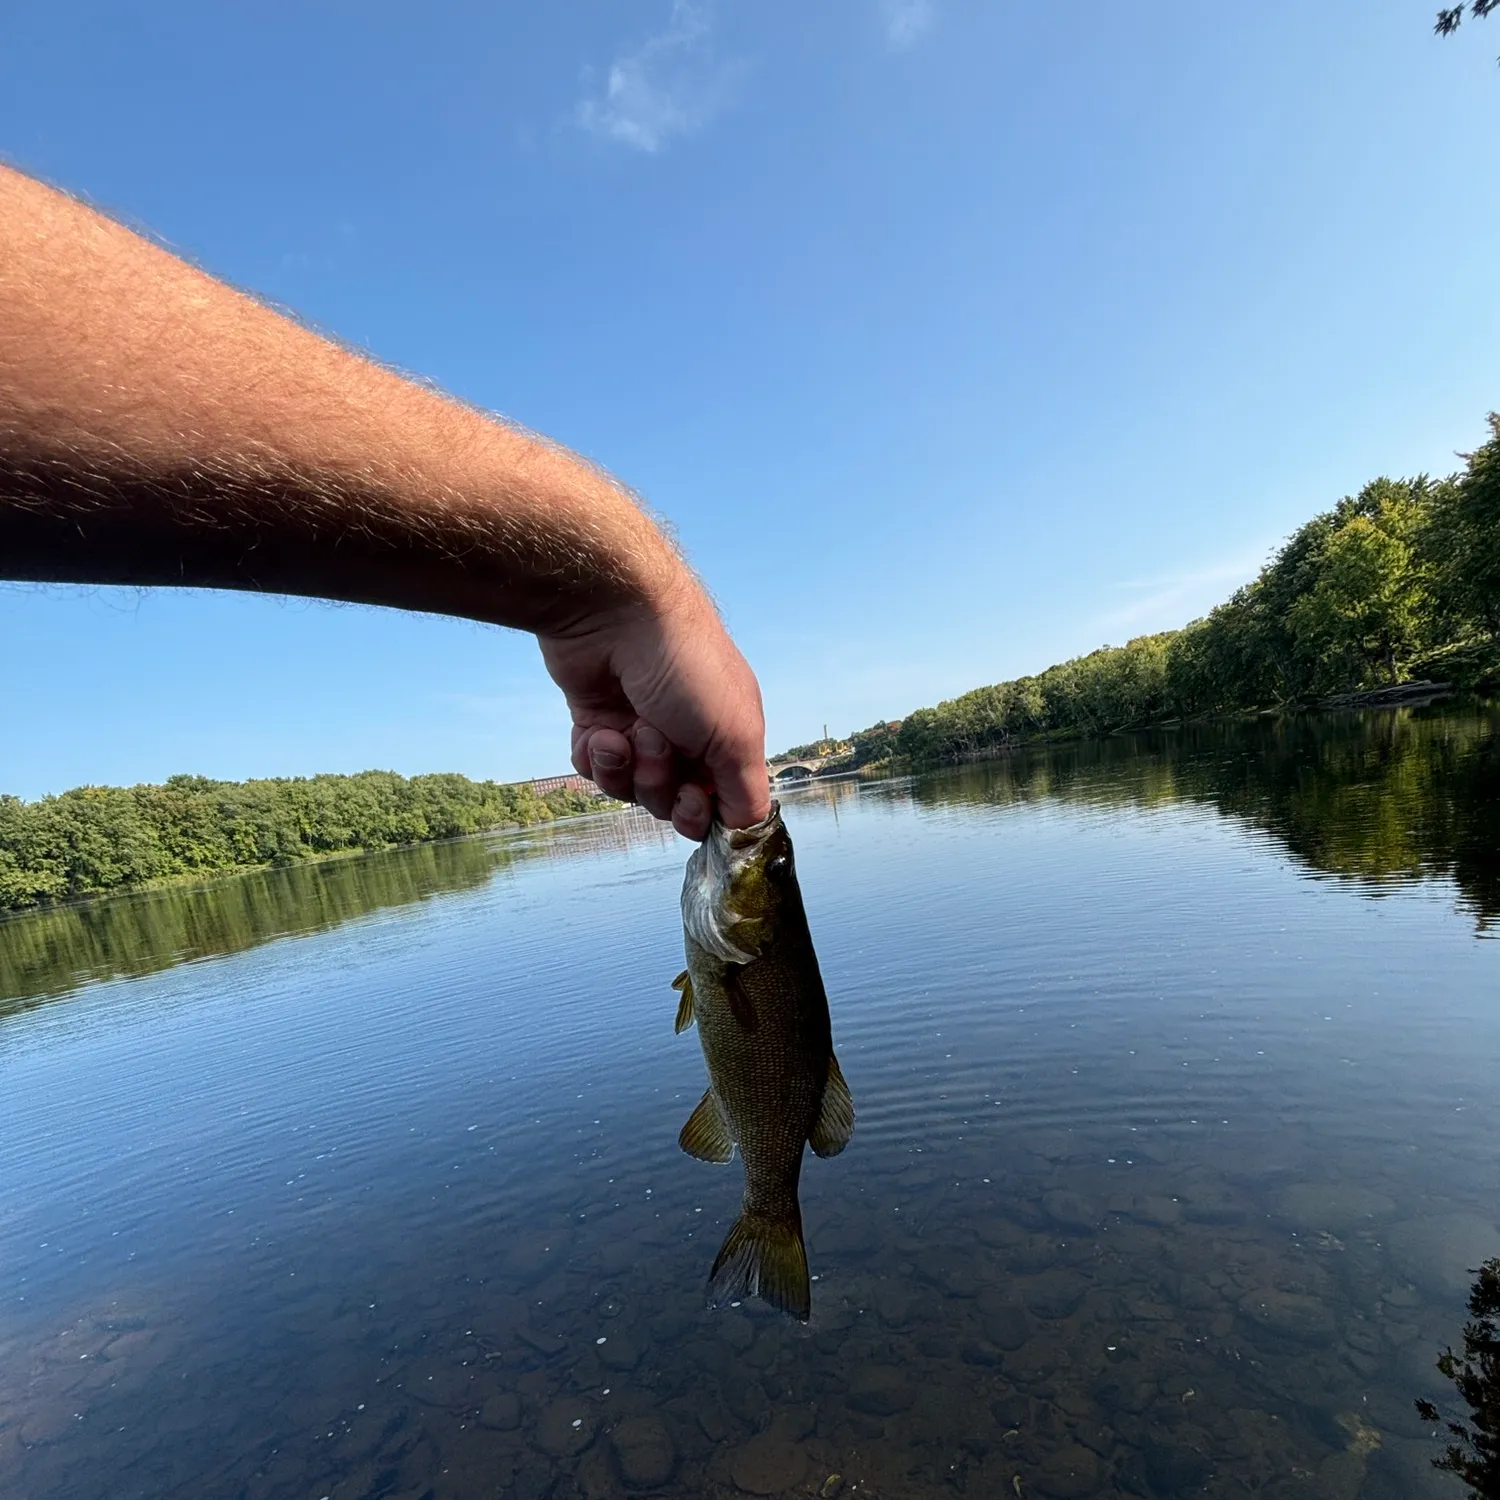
666,712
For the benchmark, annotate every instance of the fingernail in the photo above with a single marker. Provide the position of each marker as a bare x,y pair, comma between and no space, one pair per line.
649,741
606,760
688,809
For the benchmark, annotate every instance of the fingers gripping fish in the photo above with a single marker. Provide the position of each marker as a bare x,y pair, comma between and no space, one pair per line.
752,985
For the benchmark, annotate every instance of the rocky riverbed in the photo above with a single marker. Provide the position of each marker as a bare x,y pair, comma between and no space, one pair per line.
1058,1337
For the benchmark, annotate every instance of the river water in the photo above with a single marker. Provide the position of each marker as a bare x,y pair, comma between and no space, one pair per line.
1175,1063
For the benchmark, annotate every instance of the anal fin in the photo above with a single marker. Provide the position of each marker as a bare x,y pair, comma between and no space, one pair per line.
836,1117
683,982
706,1134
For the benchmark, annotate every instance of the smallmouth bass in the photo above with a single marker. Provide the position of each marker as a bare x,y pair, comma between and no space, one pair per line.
753,987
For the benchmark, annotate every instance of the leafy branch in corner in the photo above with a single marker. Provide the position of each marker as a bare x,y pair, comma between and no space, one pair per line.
1475,1454
1451,17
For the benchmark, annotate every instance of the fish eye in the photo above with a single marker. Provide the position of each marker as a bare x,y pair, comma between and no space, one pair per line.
779,863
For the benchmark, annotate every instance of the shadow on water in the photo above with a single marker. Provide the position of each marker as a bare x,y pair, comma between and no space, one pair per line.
49,953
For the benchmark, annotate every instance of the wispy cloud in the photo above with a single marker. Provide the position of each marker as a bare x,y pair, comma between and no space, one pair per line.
668,86
1168,601
906,22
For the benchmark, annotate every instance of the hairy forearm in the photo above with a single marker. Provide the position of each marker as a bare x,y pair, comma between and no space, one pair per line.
157,427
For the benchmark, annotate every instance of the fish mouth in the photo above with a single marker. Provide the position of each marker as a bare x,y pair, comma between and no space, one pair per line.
741,841
707,915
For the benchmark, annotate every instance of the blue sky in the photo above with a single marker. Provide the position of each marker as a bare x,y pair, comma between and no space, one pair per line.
952,339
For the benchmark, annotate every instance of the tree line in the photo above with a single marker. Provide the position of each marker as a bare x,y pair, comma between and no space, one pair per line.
1400,582
95,839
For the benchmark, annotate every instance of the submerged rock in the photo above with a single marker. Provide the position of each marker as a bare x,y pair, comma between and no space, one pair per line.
448,1386
566,1427
532,1482
1155,1209
714,1421
1205,1200
528,1257
1070,1473
1334,1206
1289,1315
1071,1210
1441,1252
1174,1468
880,1392
47,1425
501,1412
619,1352
646,1451
598,1474
1052,1294
768,1464
1007,1326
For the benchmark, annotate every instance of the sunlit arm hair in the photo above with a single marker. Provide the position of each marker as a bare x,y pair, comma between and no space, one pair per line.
159,427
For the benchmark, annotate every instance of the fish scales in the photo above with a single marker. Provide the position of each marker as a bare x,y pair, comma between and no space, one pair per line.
754,989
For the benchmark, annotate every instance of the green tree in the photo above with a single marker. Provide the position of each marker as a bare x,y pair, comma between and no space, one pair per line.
1362,616
96,839
1475,521
1401,580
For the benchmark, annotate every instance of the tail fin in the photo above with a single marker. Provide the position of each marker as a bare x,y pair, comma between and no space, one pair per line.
763,1258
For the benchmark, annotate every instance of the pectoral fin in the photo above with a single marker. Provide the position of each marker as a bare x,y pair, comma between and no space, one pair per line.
740,1005
684,1019
706,1134
836,1118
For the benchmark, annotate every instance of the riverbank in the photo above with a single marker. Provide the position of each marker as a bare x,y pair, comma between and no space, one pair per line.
191,880
1403,695
1396,586
93,841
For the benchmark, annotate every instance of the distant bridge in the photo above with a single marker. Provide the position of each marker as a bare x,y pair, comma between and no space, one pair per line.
800,769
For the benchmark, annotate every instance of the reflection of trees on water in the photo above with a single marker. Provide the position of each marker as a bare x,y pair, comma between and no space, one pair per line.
1384,797
1474,1450
49,952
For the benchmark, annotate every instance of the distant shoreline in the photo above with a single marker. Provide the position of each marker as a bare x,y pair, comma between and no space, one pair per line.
98,841
1404,695
1389,595
200,879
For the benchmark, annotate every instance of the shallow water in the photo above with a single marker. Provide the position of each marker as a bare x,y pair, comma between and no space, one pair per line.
1175,1065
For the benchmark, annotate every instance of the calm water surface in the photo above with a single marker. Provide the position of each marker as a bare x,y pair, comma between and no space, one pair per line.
1175,1064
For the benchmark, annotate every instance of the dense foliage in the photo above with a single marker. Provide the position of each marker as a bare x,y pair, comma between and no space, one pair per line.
102,838
1401,581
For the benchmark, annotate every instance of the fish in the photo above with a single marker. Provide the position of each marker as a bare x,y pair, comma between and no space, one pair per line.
753,987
